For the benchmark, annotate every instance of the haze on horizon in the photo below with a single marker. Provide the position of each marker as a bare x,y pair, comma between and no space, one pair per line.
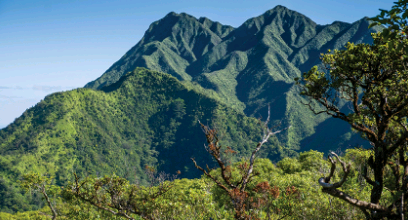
48,46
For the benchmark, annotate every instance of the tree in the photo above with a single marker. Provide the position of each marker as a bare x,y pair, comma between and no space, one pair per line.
36,182
117,196
237,191
373,80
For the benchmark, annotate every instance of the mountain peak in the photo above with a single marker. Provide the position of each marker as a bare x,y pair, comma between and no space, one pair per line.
279,12
280,7
186,46
171,14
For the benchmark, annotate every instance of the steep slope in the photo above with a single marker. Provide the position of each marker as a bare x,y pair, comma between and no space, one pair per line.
249,67
169,45
145,118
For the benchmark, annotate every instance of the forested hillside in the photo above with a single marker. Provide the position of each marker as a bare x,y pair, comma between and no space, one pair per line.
249,67
143,116
146,118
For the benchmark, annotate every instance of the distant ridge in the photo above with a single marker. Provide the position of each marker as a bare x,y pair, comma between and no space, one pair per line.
248,67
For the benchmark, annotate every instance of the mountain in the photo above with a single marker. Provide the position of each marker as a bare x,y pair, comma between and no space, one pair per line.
248,67
144,109
145,118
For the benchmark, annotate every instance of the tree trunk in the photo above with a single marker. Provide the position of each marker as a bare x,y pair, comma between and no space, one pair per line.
379,165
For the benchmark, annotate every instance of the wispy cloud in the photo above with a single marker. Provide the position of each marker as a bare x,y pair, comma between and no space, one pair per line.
14,99
9,97
12,87
43,88
47,88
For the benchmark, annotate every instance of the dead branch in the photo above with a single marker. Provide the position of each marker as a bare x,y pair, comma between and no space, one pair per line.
210,176
331,189
324,182
265,138
236,191
355,202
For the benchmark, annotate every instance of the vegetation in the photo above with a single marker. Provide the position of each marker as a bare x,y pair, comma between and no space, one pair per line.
373,79
276,192
35,182
225,51
116,196
146,118
111,153
249,67
236,189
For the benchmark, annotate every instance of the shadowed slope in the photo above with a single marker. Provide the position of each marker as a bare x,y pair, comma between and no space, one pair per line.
145,118
247,67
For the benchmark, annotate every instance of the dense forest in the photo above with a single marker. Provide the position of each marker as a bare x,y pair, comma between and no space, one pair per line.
293,193
162,144
250,67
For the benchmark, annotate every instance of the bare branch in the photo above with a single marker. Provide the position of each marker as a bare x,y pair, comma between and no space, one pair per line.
355,202
324,182
236,192
210,176
332,169
332,188
54,213
214,149
258,147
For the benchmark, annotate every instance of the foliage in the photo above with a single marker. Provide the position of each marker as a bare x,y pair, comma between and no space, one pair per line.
373,79
274,192
36,182
147,118
237,189
289,165
115,194
249,67
140,117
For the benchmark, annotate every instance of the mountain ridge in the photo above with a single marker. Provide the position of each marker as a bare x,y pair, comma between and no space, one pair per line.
249,67
144,109
145,118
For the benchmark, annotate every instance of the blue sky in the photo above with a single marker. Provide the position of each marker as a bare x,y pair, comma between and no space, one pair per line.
49,45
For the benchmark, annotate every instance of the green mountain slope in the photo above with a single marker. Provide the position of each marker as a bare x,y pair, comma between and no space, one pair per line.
145,118
249,67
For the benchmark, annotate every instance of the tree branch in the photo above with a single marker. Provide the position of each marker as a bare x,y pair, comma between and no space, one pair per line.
324,182
214,150
210,176
355,202
252,159
54,213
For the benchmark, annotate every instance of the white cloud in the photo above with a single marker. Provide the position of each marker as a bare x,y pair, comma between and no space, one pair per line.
47,88
9,97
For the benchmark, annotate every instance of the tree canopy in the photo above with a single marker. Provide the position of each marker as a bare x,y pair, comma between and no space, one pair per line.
373,80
